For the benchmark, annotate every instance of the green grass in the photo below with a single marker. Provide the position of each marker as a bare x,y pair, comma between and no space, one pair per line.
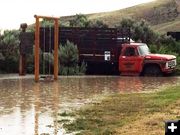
63,121
64,114
119,110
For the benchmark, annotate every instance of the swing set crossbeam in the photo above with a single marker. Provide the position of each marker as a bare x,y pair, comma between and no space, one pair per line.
46,17
37,41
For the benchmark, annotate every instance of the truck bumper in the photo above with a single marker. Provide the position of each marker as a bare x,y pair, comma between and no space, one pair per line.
169,70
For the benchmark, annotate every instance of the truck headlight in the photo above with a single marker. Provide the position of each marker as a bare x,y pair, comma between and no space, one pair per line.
171,64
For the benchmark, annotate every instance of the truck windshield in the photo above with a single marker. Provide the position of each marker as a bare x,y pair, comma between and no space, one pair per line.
143,50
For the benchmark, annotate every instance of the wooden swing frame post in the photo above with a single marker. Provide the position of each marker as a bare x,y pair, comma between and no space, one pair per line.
37,41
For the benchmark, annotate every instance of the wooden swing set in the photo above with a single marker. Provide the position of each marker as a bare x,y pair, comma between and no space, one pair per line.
37,46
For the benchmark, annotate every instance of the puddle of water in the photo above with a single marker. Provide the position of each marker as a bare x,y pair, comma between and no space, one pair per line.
29,108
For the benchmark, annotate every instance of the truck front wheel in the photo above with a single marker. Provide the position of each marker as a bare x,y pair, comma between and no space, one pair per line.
152,70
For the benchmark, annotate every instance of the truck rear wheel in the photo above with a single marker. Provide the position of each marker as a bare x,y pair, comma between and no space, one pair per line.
152,70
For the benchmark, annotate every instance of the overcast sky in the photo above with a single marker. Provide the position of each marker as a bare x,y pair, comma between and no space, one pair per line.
14,12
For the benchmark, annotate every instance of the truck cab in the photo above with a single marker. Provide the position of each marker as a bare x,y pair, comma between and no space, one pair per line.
136,59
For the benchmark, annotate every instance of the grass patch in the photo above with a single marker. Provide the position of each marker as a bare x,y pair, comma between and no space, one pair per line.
119,110
63,121
64,114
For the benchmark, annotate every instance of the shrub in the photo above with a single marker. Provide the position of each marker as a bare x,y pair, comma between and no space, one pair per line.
97,24
81,20
140,30
9,51
69,60
46,62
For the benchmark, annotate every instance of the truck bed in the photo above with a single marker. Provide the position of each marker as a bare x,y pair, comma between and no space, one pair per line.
94,44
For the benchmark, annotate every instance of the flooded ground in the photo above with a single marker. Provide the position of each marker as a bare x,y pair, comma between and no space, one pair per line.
29,108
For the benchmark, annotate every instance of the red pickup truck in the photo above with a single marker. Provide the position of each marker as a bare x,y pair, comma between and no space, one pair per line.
110,49
136,59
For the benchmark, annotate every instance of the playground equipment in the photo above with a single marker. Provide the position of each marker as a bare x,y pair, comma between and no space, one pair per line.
37,46
46,40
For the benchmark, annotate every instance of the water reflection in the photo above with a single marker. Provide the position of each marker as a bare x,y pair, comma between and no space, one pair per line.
39,106
29,108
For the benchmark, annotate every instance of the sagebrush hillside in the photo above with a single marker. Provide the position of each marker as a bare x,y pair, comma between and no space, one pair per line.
162,15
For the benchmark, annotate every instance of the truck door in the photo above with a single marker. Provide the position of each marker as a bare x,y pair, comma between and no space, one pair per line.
130,60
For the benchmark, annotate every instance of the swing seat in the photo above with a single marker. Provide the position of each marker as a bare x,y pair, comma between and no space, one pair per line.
47,78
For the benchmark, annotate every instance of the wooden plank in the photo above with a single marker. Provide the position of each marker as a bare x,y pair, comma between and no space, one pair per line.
56,32
26,42
22,64
36,60
45,17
